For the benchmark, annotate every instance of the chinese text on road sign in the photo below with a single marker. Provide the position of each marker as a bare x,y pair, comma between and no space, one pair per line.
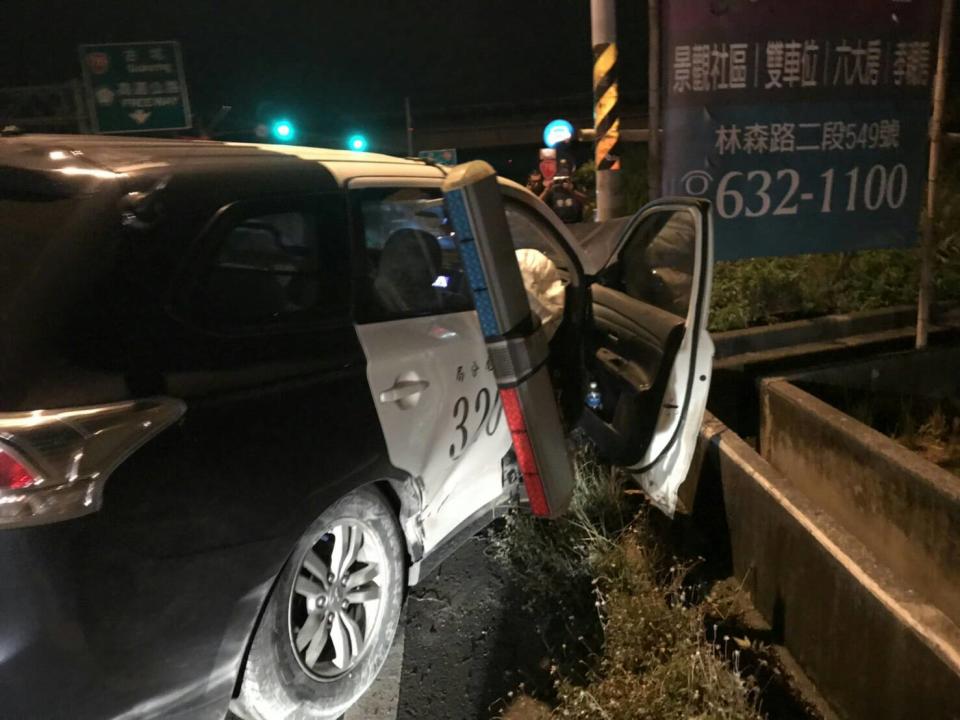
135,87
804,124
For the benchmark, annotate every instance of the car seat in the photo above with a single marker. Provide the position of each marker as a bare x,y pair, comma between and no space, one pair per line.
409,265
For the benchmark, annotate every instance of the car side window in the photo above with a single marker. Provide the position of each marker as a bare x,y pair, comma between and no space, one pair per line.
656,263
530,231
276,265
412,265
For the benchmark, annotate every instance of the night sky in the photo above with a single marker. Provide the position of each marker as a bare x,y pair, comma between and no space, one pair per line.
323,61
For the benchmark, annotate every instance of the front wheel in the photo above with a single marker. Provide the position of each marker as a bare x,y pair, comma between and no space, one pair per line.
331,618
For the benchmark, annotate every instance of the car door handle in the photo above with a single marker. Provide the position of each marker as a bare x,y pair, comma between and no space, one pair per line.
403,389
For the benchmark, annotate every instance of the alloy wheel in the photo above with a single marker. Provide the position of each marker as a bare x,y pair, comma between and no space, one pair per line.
335,604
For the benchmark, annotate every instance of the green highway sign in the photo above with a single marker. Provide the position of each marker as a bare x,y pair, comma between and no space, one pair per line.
135,87
445,156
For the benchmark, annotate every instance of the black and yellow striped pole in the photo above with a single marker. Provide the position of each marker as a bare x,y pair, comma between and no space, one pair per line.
606,115
605,119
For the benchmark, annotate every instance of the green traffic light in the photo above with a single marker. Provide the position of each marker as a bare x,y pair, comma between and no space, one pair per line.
357,142
284,131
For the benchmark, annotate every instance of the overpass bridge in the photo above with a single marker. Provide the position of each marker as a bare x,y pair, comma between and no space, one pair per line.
61,107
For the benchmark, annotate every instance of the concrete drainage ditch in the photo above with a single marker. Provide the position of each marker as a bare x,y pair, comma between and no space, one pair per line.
847,542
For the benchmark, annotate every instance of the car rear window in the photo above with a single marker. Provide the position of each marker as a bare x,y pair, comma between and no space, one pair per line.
27,224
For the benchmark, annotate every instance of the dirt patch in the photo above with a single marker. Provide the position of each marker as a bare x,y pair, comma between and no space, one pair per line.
526,708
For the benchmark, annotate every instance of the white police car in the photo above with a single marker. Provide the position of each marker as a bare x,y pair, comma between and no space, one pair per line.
245,399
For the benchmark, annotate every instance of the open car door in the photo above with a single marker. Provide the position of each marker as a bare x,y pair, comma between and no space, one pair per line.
650,354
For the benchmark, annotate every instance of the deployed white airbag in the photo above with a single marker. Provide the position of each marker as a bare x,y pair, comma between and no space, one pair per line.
545,288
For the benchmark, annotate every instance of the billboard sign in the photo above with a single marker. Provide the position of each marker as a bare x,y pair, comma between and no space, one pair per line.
805,122
135,87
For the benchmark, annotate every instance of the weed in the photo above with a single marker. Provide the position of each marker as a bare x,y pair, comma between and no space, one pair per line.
928,426
935,435
626,640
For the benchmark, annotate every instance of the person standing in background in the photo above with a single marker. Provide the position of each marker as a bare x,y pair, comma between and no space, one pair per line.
564,199
535,183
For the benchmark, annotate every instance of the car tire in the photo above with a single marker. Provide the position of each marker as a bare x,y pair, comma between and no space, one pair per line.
314,654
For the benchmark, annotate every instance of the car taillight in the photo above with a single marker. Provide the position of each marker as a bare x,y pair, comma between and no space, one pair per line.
54,463
13,474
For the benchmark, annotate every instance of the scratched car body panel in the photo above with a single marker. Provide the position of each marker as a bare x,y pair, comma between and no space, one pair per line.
206,347
450,434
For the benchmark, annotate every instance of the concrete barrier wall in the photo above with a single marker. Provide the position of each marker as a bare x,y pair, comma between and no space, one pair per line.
904,509
744,355
871,649
822,329
797,332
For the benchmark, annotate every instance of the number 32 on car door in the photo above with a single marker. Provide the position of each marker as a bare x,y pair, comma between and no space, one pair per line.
474,413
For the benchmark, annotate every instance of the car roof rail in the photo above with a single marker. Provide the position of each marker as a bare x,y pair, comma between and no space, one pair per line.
429,161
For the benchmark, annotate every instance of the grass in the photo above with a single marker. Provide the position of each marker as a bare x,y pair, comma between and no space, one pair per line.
930,428
759,291
626,639
937,438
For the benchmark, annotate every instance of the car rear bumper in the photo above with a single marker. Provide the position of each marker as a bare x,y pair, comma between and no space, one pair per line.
96,631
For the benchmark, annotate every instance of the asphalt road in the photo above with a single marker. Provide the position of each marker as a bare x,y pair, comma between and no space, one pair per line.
466,644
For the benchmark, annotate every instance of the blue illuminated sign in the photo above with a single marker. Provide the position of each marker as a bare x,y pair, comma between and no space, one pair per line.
556,132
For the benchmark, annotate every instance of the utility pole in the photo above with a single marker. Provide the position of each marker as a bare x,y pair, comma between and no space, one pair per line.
929,240
606,114
653,99
409,116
